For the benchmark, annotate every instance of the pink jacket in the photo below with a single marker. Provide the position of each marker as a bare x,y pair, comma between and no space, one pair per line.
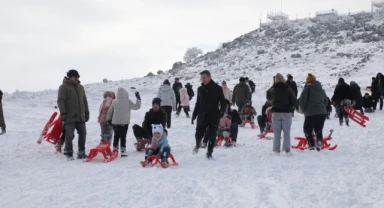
184,97
104,106
225,123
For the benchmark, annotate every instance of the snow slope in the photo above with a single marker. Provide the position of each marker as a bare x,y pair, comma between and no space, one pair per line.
33,175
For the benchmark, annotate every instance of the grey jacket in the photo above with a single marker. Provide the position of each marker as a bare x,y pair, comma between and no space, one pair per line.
167,96
313,100
120,110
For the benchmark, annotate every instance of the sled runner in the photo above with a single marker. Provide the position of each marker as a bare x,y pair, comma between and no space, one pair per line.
356,116
142,144
220,139
245,122
153,160
303,142
105,149
52,130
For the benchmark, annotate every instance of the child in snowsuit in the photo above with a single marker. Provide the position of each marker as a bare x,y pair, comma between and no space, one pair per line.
159,145
225,129
184,102
248,112
106,130
367,103
119,115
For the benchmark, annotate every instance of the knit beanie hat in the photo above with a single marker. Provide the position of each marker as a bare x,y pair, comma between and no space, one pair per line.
242,79
73,73
167,82
157,101
341,80
279,78
157,128
310,78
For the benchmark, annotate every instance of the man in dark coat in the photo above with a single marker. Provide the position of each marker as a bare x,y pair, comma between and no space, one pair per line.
251,84
241,93
156,115
377,91
2,122
357,97
176,87
292,84
209,97
342,97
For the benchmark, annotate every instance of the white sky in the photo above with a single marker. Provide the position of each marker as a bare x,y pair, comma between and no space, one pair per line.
40,40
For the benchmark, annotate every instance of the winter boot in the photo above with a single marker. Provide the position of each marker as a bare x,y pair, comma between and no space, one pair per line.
81,155
58,147
347,121
209,156
3,131
123,152
195,150
70,157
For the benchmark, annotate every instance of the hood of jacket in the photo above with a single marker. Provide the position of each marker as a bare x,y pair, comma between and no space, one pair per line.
109,94
70,82
165,88
122,93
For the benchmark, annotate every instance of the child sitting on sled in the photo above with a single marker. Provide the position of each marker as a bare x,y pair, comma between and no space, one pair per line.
225,129
159,145
268,124
248,112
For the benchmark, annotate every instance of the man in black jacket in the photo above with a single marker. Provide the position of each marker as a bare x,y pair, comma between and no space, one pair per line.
377,91
251,84
292,84
342,97
2,122
176,87
209,97
155,115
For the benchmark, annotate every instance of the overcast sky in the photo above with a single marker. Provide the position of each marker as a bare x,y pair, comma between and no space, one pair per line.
42,39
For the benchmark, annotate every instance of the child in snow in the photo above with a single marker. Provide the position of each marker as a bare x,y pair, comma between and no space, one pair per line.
268,124
184,102
159,145
119,115
248,112
367,103
225,129
106,130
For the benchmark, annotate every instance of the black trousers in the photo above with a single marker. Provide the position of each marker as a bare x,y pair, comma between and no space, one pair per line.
120,134
314,124
185,108
139,133
377,98
168,111
199,135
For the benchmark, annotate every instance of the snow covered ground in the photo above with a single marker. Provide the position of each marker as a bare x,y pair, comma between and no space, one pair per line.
33,175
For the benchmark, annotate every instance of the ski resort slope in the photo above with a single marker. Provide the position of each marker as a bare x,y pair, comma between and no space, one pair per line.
34,175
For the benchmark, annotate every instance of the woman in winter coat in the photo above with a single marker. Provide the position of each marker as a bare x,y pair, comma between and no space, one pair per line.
184,102
283,104
357,97
119,115
313,103
106,130
227,92
168,100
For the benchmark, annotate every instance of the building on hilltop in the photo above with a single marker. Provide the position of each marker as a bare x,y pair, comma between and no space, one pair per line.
377,5
327,14
277,16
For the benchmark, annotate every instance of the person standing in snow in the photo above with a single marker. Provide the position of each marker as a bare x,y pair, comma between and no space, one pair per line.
176,87
283,104
251,84
106,129
313,103
119,115
169,100
227,92
293,86
357,97
241,93
191,93
377,91
342,97
74,112
2,122
209,97
184,102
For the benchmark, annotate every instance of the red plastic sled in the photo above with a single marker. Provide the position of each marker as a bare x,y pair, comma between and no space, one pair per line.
105,149
220,139
154,160
142,144
52,130
245,122
263,136
303,143
356,116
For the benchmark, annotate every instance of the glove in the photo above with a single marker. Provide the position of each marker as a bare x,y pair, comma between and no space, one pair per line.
63,117
109,122
137,94
193,120
86,117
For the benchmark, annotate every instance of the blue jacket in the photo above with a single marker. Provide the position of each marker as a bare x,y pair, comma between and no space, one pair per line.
163,142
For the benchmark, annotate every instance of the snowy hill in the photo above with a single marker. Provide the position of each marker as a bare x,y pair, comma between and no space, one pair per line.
33,175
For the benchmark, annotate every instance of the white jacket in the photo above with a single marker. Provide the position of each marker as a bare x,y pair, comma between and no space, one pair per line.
120,110
228,94
167,96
